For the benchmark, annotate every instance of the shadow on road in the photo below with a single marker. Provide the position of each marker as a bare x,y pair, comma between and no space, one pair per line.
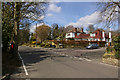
32,57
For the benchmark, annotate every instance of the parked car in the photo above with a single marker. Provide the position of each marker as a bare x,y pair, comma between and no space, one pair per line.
92,46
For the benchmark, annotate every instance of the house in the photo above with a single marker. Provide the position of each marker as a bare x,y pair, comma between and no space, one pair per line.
97,35
73,33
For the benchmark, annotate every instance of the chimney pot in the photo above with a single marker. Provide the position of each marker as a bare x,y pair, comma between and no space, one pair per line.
81,29
75,29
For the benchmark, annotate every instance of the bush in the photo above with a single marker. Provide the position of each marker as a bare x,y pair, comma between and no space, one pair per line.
117,55
109,49
116,42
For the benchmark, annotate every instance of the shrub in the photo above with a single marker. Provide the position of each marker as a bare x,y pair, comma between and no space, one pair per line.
116,42
117,55
109,49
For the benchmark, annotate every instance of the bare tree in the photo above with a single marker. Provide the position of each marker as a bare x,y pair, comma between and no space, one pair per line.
109,12
90,28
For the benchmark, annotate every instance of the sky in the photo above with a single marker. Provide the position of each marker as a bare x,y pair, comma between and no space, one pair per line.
67,12
78,14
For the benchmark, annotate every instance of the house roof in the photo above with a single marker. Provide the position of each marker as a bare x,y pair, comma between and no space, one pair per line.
85,36
98,30
98,33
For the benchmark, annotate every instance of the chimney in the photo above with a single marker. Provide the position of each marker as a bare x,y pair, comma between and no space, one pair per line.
75,32
75,29
82,30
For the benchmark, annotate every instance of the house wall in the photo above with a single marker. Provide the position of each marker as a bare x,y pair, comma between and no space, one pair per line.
70,35
78,34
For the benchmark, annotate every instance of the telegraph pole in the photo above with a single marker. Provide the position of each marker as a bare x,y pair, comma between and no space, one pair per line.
36,34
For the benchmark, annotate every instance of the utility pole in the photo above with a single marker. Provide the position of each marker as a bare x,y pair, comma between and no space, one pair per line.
36,34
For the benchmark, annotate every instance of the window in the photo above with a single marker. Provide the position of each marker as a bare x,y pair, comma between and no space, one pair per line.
68,34
94,34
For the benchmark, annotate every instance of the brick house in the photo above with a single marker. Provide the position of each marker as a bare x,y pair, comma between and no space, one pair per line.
97,36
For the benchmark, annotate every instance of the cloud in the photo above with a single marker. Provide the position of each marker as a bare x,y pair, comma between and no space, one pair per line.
53,7
87,20
49,14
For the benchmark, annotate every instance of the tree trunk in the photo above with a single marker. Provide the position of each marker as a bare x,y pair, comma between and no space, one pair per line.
16,25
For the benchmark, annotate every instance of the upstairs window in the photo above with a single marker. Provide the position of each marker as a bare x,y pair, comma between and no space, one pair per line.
68,34
94,34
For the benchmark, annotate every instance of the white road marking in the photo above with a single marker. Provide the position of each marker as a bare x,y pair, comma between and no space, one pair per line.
23,64
4,76
80,58
66,55
75,57
88,60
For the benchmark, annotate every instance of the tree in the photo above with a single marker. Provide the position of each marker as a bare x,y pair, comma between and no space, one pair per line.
23,36
90,28
7,24
109,12
68,28
43,32
19,14
62,32
55,31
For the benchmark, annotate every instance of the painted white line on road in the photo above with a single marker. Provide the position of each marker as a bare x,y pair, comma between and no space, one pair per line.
80,58
109,65
3,77
87,59
66,55
75,57
23,64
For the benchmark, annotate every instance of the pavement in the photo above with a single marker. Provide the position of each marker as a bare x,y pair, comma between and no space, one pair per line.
63,63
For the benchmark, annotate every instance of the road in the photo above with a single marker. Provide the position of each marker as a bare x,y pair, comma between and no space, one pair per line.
62,63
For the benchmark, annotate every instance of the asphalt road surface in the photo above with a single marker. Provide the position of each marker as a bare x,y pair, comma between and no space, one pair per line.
62,63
